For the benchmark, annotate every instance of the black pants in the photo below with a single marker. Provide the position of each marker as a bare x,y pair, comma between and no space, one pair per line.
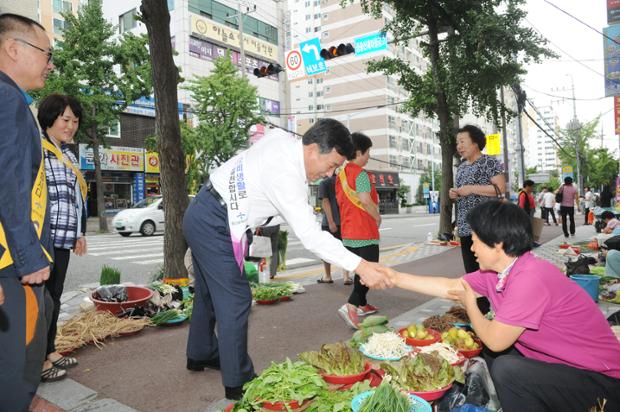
524,384
469,260
272,232
371,254
570,212
546,211
586,211
55,285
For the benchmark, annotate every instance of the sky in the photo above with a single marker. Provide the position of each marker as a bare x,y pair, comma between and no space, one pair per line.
572,41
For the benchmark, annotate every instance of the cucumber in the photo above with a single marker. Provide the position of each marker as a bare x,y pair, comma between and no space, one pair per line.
374,320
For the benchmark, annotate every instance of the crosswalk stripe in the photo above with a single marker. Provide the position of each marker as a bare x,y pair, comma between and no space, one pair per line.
137,256
126,242
116,252
295,261
149,262
122,247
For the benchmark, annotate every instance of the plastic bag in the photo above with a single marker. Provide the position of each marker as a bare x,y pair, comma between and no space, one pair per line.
111,293
478,390
471,408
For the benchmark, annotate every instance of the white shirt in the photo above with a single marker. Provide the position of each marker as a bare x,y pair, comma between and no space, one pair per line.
275,179
549,200
589,200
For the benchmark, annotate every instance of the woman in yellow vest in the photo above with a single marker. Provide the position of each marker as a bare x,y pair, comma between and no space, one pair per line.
59,117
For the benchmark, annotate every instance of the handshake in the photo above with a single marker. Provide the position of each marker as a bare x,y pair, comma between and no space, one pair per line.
376,276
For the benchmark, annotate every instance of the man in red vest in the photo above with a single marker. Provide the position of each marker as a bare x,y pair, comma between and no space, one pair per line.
360,219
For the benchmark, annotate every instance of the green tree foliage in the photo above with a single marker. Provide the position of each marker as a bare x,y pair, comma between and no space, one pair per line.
104,72
485,49
227,106
426,178
602,168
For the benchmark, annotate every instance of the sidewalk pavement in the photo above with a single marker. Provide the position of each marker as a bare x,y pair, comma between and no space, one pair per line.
147,372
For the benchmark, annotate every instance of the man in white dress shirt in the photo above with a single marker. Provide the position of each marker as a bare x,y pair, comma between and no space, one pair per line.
265,184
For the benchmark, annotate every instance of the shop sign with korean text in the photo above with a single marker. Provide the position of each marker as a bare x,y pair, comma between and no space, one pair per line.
493,146
151,162
203,27
611,63
129,159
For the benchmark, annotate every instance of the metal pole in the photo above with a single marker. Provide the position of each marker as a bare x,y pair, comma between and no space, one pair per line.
240,17
576,132
433,161
505,142
282,79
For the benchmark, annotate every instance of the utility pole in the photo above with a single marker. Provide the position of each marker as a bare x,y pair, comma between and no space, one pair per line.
240,16
521,99
505,144
282,79
574,126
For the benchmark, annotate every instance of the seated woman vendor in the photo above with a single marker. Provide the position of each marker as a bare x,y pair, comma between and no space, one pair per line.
551,348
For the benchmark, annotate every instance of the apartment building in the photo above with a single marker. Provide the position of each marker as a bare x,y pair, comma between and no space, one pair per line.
542,151
404,147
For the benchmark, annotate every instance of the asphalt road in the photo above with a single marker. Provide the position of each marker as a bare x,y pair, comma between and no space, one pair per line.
139,258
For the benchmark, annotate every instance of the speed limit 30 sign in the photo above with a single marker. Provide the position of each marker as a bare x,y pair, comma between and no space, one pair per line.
294,64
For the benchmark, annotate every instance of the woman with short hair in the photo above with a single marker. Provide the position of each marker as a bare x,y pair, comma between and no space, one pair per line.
59,117
548,345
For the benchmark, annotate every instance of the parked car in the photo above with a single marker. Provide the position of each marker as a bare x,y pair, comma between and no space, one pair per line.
146,217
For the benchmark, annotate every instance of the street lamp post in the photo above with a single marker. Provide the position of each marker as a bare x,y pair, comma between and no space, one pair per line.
574,127
239,16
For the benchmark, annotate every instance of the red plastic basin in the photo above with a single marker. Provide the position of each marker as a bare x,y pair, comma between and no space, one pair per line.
432,395
136,296
421,342
346,379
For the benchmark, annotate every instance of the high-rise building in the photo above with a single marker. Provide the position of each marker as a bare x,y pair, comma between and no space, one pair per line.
51,18
403,146
542,151
27,8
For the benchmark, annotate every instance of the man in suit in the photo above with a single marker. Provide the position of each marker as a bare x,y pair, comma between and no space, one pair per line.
25,62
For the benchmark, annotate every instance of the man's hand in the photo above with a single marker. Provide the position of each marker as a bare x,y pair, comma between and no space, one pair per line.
37,277
371,275
80,248
332,227
1,295
466,296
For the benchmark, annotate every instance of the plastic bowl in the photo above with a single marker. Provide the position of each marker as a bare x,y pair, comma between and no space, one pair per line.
282,406
417,403
421,342
564,246
363,350
267,301
285,298
432,395
473,352
346,379
137,296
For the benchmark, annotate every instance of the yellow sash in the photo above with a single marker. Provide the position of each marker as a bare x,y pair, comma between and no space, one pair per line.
350,193
49,146
37,215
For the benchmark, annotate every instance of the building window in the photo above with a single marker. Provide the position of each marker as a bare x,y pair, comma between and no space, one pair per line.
307,4
311,121
308,16
317,16
61,6
59,26
310,94
317,28
308,29
170,5
127,21
310,108
319,93
320,107
114,130
327,89
325,33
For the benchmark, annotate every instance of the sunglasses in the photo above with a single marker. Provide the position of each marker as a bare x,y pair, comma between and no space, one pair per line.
48,53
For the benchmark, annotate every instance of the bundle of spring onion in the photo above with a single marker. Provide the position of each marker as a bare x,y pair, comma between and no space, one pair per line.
386,399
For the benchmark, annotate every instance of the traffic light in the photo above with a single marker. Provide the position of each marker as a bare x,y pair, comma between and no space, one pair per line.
334,51
268,70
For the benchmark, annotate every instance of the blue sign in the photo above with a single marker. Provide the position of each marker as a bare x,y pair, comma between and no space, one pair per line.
138,187
370,43
311,55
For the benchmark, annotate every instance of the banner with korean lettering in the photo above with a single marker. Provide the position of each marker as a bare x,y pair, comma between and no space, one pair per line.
130,159
493,146
209,29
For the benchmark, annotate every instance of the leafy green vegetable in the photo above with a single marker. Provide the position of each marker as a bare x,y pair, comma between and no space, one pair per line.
386,399
109,276
271,291
164,316
424,372
335,359
284,382
337,401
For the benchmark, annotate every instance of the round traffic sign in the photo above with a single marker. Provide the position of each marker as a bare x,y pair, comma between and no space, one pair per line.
293,60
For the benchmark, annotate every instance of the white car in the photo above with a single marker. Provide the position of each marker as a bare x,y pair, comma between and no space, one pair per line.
146,217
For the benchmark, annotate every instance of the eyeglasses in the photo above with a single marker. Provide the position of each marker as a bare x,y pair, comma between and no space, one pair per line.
47,52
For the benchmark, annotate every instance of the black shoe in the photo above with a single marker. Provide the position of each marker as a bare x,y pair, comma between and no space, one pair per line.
200,365
235,392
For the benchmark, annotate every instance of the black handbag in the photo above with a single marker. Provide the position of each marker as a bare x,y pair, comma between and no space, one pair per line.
559,195
581,266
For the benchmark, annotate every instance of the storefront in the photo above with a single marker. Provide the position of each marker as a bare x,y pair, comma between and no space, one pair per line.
387,184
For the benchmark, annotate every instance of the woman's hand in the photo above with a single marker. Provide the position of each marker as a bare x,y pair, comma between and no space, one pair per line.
466,296
80,248
453,193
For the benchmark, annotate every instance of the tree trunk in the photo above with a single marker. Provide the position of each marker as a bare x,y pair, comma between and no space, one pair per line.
103,220
446,132
165,79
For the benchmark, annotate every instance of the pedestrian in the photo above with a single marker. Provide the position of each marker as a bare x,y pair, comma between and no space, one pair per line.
272,232
25,248
59,117
548,346
606,196
478,178
330,223
549,206
526,198
268,179
569,198
588,204
360,220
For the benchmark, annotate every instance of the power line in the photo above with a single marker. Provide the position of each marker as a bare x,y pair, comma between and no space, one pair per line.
581,21
565,97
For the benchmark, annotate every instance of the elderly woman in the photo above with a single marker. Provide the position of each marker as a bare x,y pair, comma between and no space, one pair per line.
59,117
552,349
479,178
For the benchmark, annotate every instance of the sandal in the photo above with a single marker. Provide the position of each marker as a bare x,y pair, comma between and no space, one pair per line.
321,280
53,374
65,362
348,282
